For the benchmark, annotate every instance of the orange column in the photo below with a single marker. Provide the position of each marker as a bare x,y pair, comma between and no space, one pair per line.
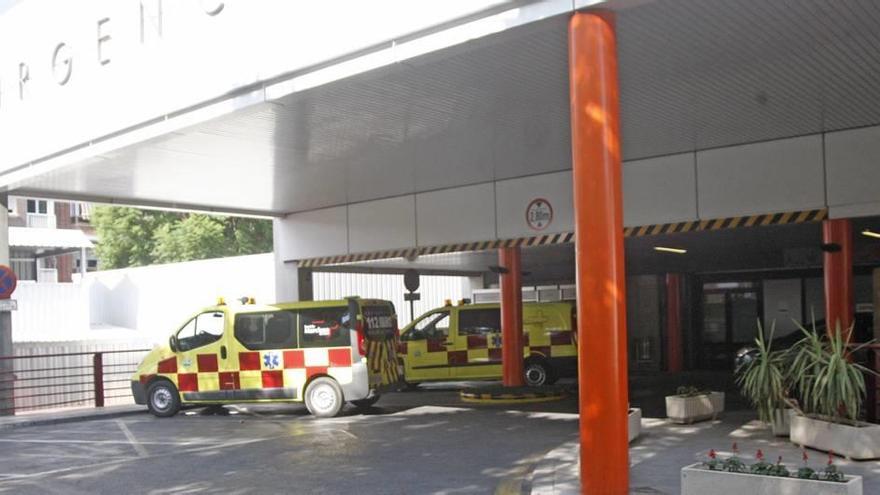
598,218
837,261
511,317
673,323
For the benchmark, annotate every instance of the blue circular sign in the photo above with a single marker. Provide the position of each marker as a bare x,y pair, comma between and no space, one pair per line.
8,281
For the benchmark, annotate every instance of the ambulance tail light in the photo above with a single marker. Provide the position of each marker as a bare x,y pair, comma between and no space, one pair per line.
359,331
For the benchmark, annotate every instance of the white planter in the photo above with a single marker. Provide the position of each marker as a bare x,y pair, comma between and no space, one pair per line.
696,480
635,423
853,442
781,424
686,410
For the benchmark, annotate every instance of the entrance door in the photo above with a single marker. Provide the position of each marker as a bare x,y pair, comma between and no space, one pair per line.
730,316
199,356
427,347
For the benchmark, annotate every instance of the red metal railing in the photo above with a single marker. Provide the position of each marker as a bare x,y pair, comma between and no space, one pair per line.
44,381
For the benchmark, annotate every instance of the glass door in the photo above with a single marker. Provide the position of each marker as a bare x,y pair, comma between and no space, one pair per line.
730,315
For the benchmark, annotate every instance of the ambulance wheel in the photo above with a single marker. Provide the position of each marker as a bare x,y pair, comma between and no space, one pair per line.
324,398
538,373
162,399
366,403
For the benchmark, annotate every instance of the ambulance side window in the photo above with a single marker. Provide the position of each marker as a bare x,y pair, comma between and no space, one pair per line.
479,321
323,327
434,326
263,331
202,330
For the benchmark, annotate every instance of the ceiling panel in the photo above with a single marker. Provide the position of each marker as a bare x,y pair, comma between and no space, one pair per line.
694,74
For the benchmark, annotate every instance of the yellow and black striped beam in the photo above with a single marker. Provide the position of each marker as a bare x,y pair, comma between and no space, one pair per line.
785,218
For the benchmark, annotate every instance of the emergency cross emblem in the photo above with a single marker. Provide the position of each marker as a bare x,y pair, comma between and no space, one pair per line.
271,360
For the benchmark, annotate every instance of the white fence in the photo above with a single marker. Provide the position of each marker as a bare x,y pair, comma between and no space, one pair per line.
434,290
68,381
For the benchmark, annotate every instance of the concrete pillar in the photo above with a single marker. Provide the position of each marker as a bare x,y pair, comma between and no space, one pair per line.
511,317
674,348
599,258
838,270
292,283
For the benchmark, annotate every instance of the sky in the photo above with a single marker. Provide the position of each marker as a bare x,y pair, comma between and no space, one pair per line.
5,4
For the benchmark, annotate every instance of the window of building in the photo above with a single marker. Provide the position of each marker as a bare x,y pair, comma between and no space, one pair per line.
40,206
262,331
323,327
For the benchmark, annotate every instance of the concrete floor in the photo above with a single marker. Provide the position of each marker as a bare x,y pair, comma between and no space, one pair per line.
658,455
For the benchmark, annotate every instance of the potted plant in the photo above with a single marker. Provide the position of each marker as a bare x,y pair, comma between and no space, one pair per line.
831,387
732,476
691,404
634,423
762,382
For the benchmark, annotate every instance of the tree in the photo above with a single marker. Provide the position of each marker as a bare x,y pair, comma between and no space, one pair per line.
132,237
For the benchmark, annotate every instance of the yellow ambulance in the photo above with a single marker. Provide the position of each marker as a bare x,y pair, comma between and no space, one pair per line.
463,342
323,353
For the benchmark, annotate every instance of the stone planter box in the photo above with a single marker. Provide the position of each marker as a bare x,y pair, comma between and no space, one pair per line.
635,423
859,443
696,480
686,410
781,424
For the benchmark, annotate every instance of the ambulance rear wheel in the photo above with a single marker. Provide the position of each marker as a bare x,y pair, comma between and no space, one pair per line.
324,398
538,373
366,403
162,399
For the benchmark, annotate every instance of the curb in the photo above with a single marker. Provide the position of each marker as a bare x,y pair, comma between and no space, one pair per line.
512,396
24,423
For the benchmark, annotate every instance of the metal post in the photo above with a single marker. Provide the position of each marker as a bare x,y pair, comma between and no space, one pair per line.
98,374
7,402
673,323
83,263
837,262
601,283
511,317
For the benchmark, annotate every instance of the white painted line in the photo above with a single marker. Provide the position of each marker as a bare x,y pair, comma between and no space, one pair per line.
93,442
141,451
5,477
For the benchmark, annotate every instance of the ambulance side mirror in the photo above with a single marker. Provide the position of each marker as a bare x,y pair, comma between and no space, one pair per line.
172,343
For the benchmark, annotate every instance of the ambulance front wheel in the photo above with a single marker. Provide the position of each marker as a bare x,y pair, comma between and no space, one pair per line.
538,373
162,399
324,398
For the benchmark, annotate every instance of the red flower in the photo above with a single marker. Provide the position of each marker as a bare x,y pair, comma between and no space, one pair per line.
712,454
735,449
805,457
760,455
830,457
779,461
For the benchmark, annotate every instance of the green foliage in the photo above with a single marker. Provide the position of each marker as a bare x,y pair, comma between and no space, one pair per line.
762,380
133,237
824,377
690,391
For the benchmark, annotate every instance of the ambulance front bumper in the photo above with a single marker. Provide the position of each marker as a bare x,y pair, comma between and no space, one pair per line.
139,392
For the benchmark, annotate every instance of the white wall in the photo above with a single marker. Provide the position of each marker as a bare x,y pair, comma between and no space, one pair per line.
144,305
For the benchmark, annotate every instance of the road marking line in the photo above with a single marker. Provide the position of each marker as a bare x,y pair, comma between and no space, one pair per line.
94,442
141,451
5,477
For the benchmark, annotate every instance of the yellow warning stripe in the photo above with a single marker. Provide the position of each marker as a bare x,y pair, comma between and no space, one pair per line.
782,218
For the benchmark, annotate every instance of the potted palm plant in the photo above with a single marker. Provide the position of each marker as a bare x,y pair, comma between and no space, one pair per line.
762,382
831,387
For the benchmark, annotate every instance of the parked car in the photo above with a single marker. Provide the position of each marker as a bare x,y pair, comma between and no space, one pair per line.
863,331
322,353
464,343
